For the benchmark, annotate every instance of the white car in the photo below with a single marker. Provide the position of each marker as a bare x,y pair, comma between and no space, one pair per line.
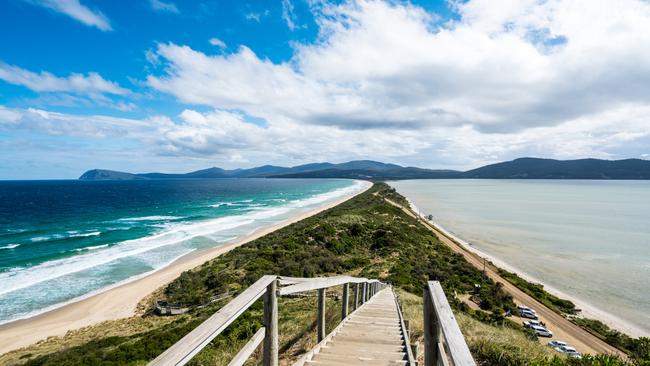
570,351
557,344
526,308
527,314
530,323
577,355
541,331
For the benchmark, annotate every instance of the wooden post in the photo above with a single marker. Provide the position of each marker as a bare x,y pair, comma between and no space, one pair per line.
363,293
355,303
321,314
346,300
270,352
430,331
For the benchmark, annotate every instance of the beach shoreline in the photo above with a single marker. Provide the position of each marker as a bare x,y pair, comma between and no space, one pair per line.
121,300
587,310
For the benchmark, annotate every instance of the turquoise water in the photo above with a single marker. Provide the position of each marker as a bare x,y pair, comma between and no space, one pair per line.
60,240
587,239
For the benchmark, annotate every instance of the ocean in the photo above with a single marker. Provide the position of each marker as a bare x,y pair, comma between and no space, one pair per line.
589,240
62,240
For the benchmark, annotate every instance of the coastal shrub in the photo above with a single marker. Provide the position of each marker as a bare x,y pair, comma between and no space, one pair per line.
637,348
537,291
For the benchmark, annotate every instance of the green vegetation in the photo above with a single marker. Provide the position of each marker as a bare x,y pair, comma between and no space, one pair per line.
364,236
537,291
637,348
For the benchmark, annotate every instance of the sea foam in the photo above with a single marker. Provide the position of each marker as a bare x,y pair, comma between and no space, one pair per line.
20,278
151,218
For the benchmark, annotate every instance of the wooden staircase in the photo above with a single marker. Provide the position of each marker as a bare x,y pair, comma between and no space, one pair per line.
372,335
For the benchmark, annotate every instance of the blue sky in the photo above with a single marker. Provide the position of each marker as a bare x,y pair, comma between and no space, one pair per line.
174,86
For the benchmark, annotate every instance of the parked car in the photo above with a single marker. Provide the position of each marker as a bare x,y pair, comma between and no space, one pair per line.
557,344
570,351
576,354
541,331
529,323
528,314
526,308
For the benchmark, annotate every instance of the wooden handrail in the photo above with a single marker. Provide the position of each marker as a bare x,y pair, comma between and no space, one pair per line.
242,356
268,286
320,283
187,347
443,341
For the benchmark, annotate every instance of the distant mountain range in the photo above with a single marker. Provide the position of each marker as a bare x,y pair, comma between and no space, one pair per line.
523,168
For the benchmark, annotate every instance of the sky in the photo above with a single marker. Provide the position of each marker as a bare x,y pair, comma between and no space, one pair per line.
176,86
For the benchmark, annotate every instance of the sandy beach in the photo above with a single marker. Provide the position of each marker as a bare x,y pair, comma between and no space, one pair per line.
121,301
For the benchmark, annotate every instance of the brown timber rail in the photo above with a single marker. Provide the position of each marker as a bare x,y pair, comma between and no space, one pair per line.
444,344
269,287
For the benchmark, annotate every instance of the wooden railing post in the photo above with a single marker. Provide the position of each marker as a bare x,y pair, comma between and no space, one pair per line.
346,300
431,331
356,296
363,293
444,341
321,314
270,352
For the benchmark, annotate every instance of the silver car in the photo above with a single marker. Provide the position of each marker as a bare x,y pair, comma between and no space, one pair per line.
541,331
528,314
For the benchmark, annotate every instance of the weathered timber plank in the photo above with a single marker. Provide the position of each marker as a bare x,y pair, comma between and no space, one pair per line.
242,356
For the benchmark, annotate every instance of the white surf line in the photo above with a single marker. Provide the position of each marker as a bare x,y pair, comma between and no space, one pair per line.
26,277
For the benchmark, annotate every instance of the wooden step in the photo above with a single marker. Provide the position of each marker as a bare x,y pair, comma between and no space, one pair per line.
372,335
372,359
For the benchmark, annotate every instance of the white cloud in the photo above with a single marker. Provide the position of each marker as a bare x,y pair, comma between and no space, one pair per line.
77,11
288,14
9,116
504,69
225,138
217,42
47,82
389,81
256,16
62,124
160,5
76,89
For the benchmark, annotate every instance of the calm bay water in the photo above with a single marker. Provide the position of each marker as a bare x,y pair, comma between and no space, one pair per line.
60,240
587,239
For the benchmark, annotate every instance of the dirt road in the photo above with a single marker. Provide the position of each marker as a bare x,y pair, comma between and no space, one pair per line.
562,328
